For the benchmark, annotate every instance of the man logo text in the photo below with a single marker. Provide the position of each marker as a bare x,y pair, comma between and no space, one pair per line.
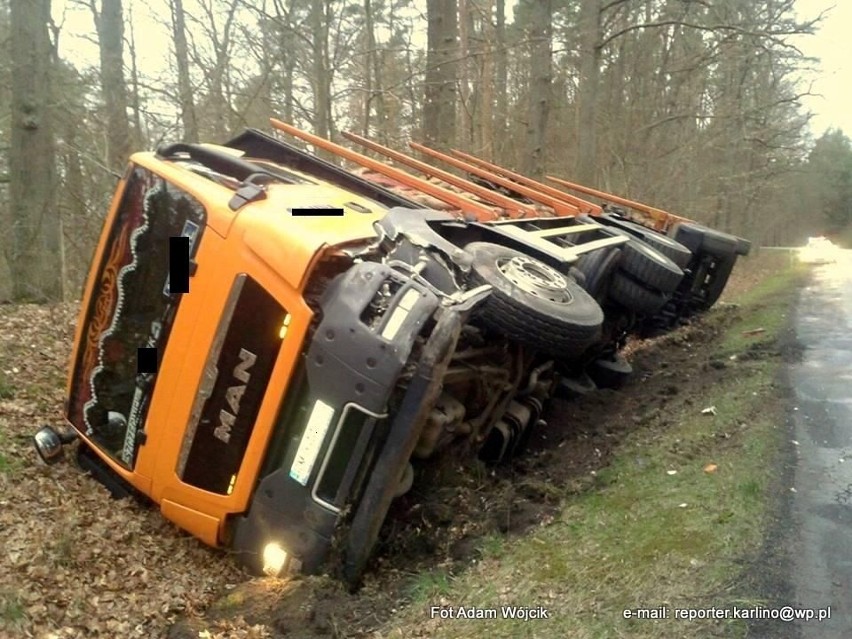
234,396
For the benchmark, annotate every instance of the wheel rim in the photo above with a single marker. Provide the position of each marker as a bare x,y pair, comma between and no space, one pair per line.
536,278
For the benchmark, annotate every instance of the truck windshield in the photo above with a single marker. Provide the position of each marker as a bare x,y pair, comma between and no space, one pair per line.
130,307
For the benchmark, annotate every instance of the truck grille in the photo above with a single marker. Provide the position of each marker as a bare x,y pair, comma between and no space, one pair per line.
233,384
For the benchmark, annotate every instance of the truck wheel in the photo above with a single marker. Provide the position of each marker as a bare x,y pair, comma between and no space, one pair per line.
634,296
597,267
643,262
647,265
675,251
533,303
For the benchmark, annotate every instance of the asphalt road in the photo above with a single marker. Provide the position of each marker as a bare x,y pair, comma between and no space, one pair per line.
822,502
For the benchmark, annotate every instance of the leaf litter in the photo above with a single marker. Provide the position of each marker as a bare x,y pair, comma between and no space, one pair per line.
75,562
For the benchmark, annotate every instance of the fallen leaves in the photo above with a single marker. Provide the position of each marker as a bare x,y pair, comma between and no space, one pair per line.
73,560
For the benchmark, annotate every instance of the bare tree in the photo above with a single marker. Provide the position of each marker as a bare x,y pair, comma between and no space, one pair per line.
439,108
501,79
34,254
321,76
135,101
540,15
187,103
587,99
464,122
109,23
287,46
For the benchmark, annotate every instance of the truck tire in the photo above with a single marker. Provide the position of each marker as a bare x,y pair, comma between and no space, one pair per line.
648,266
643,262
533,303
672,249
634,296
675,251
597,267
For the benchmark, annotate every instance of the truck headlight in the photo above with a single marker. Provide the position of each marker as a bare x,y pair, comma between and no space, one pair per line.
274,559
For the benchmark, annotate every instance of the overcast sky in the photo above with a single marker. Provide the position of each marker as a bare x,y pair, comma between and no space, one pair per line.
832,77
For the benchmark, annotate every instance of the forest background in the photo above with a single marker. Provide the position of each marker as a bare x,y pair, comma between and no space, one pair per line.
695,106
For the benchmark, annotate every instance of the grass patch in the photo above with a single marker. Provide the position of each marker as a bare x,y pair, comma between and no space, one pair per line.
427,586
5,464
656,529
12,614
7,391
762,320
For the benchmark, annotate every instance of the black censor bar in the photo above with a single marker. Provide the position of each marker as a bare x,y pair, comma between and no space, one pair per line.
179,264
146,361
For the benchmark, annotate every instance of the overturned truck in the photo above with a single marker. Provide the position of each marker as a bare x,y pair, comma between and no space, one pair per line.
269,343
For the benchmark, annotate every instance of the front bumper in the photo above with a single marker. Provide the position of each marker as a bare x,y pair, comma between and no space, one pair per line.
332,432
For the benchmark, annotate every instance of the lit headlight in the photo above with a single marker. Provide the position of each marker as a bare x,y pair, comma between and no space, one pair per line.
274,559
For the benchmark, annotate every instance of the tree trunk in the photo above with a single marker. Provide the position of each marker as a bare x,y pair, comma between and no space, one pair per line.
219,76
485,142
370,44
138,137
373,91
541,16
465,121
439,108
321,74
187,104
110,27
501,87
34,255
587,97
321,80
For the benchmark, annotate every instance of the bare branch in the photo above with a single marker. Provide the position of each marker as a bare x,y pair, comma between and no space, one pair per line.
774,35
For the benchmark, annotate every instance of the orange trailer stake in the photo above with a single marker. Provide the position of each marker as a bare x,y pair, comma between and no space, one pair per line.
561,207
584,205
661,219
466,205
513,207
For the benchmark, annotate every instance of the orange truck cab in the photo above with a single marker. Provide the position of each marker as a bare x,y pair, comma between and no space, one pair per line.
267,342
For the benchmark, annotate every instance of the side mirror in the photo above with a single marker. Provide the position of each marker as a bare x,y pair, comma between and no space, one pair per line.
48,443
